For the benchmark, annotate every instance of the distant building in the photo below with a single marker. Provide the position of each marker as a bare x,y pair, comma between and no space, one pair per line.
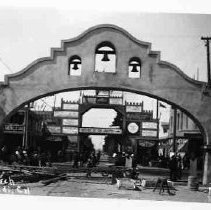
188,136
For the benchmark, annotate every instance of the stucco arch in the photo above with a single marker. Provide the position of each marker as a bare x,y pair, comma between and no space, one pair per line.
159,78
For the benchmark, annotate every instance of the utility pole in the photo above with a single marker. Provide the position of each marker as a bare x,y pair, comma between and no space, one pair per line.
175,130
207,44
157,113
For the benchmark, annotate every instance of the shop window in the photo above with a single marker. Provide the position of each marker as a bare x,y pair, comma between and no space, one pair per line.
74,66
134,68
105,58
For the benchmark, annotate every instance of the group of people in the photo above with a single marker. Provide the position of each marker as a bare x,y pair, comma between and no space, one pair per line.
175,166
26,157
127,160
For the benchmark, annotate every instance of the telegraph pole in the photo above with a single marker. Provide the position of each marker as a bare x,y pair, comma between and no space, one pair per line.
175,130
207,44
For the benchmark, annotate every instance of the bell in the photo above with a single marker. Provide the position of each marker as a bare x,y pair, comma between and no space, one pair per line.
75,66
105,57
134,69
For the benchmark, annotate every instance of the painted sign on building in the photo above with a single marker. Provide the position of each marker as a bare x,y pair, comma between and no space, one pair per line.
65,114
72,122
70,106
103,93
70,130
54,129
149,125
151,133
101,130
137,116
13,128
133,108
117,101
144,143
115,93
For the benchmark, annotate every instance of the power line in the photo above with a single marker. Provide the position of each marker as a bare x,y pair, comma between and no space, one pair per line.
4,63
46,103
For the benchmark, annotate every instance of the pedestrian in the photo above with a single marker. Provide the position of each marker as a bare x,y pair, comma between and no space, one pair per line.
128,161
98,157
179,167
75,160
89,166
173,168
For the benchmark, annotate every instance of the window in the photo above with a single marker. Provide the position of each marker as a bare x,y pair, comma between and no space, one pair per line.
105,58
181,121
172,124
178,121
74,66
186,122
134,68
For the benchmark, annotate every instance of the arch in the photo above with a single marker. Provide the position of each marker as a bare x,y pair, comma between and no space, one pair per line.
159,79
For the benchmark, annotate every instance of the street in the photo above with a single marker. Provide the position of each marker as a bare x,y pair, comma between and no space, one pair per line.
98,187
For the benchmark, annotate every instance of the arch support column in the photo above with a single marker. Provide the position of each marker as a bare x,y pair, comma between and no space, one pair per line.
2,116
207,165
207,154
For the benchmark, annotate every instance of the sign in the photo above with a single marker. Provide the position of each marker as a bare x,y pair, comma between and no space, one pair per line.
103,93
117,101
13,128
70,106
133,108
146,143
115,93
133,127
150,125
73,122
54,129
64,114
89,92
101,130
152,133
70,130
135,116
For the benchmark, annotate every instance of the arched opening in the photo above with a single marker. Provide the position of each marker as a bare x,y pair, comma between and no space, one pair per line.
134,68
74,66
105,58
58,128
101,120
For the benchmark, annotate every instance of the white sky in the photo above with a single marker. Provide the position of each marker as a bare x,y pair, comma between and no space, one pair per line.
28,34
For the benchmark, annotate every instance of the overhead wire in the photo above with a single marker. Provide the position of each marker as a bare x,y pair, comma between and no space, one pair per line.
5,64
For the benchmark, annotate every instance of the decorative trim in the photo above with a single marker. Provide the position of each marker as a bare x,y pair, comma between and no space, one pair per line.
154,54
